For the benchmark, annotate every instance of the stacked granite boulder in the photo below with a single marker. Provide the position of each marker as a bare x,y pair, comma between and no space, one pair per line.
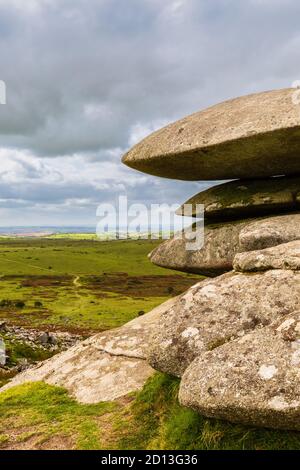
234,339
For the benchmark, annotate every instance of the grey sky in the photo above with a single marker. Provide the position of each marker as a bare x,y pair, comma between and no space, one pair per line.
87,79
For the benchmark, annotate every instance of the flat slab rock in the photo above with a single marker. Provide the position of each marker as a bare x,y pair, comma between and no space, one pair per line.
104,367
246,198
223,241
248,137
253,380
218,310
285,256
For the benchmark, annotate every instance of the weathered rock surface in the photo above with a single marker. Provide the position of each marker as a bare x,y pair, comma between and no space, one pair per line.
248,137
104,367
270,231
223,241
247,198
285,256
215,311
253,380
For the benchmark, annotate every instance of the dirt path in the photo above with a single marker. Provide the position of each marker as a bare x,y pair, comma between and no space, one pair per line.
76,281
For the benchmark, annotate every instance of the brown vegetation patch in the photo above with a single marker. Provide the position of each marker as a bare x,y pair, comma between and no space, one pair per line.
140,286
45,281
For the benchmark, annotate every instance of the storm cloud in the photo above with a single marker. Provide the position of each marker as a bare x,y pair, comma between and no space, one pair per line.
87,79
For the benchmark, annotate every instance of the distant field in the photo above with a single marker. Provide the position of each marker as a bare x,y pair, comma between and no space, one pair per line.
76,236
94,236
75,257
82,284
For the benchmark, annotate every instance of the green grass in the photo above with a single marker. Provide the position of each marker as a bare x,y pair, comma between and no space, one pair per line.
75,236
157,421
69,307
153,419
42,413
18,350
77,257
61,282
62,276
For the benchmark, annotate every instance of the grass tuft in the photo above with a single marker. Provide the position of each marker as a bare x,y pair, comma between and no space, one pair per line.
157,421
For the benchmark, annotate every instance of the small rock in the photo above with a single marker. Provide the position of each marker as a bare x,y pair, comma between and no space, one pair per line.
285,256
52,340
43,338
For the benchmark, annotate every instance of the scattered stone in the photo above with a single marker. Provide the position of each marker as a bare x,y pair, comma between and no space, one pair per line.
104,367
249,137
36,340
285,256
58,340
253,380
248,198
215,311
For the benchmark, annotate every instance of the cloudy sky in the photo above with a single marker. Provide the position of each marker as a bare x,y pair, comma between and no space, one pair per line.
86,79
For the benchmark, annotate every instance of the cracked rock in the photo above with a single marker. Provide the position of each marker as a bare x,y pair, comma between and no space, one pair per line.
218,310
223,241
253,380
285,256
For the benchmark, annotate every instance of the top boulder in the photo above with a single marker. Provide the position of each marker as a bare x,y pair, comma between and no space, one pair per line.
249,137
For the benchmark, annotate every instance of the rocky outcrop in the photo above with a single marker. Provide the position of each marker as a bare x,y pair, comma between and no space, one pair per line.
252,380
214,312
104,367
234,338
248,137
249,198
285,256
223,241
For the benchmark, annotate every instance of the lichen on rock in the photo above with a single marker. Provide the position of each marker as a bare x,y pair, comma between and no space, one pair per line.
252,380
214,312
